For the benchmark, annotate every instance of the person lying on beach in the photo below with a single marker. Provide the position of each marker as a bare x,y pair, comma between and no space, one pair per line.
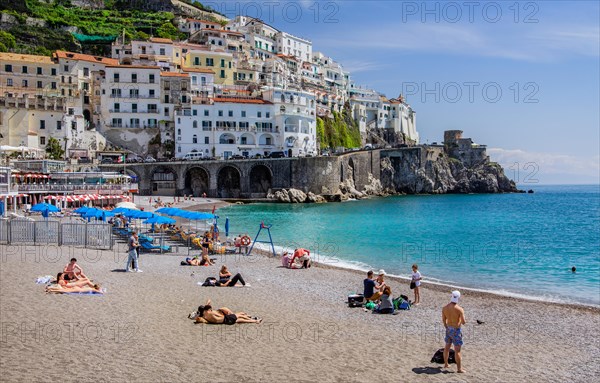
225,279
371,288
73,271
386,305
83,282
196,261
206,314
75,289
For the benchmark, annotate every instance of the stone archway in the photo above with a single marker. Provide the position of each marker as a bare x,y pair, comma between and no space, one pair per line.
228,182
164,181
261,179
197,181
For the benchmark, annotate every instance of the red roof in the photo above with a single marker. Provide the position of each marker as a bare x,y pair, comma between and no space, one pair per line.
82,57
242,100
173,74
160,40
198,70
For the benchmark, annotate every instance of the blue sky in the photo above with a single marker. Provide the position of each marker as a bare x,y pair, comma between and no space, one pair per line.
523,79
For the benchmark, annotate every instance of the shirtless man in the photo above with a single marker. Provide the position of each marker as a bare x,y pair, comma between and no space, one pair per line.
73,271
453,316
223,315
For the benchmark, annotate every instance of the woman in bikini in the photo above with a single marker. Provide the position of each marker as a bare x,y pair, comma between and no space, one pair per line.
206,314
225,279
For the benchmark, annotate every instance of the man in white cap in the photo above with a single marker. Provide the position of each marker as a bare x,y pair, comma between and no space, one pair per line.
453,316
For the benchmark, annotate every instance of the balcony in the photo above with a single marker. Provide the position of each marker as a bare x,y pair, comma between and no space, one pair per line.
89,189
138,111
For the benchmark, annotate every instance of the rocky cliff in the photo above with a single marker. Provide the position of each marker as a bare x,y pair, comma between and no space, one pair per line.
427,170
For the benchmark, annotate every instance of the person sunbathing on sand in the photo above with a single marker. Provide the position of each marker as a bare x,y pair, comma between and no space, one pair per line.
85,289
225,279
83,282
206,314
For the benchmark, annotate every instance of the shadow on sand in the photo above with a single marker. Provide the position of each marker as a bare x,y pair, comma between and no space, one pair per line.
430,370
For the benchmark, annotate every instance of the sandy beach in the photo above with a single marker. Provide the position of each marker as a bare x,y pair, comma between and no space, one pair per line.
139,330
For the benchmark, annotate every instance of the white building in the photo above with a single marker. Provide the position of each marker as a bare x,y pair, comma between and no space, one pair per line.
154,52
289,44
282,121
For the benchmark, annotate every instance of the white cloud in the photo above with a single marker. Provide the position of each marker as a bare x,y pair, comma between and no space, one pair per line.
547,167
513,41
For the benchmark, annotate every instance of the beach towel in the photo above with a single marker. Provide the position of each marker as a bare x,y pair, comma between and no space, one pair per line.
86,293
44,280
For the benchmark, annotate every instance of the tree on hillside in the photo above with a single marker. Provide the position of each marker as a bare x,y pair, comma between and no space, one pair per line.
54,149
7,41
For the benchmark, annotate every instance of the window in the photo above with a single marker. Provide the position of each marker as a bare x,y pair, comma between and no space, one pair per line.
117,107
222,73
179,149
66,68
53,71
116,77
220,113
194,80
194,139
62,79
42,124
117,123
152,108
134,122
206,140
206,124
206,113
42,140
243,113
24,69
210,62
8,68
179,132
86,71
151,93
197,61
230,113
162,51
24,83
39,85
71,111
222,63
258,114
167,112
229,63
268,114
194,113
151,79
9,82
203,80
152,123
134,108
58,125
195,124
134,93
134,77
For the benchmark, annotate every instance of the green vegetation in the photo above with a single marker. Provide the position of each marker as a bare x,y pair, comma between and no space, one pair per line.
341,130
7,41
54,149
59,17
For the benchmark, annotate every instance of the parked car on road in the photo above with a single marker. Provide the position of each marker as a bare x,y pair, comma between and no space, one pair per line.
277,155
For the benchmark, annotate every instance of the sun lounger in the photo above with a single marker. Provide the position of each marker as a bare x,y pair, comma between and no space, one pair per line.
150,247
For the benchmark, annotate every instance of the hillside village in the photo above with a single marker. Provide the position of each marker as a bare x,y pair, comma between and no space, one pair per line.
233,87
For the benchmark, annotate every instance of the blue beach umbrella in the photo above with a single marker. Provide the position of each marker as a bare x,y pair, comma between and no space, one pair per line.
121,210
45,208
81,210
157,219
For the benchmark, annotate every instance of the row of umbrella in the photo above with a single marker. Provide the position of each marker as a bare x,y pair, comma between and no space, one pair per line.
191,215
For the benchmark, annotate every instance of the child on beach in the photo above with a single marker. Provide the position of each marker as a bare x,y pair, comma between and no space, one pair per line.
415,283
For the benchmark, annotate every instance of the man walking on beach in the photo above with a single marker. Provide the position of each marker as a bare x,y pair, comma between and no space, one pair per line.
453,316
133,254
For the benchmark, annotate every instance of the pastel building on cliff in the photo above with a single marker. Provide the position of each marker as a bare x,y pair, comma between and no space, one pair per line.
246,125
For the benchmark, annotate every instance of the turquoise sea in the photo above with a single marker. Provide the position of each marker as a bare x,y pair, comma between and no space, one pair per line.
516,244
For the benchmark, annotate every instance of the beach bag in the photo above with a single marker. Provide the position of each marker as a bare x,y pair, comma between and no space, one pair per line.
412,285
355,300
210,281
438,357
404,305
370,305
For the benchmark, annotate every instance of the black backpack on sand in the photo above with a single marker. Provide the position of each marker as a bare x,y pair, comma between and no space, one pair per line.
438,357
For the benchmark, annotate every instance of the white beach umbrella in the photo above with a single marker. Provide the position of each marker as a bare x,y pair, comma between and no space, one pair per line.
128,205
